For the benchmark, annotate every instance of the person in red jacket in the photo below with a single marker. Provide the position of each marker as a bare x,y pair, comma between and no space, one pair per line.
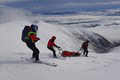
85,48
51,44
30,42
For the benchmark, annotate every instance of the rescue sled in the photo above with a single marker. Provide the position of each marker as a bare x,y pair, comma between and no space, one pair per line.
68,53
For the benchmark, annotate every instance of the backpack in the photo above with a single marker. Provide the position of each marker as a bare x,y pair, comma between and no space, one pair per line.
25,33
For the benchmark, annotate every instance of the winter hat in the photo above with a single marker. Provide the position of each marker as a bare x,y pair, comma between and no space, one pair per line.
87,41
34,27
53,37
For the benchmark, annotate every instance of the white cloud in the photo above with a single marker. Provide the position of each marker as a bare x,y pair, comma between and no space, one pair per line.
9,14
37,7
5,1
2,6
92,4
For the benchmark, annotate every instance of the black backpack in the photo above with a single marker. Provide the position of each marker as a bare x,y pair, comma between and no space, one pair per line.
25,33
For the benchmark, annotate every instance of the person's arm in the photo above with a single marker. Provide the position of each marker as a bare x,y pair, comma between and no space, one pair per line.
56,45
34,38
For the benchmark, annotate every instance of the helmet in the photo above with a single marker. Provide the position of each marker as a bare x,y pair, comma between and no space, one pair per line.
53,37
34,27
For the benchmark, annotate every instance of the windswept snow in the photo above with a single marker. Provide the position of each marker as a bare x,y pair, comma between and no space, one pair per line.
13,51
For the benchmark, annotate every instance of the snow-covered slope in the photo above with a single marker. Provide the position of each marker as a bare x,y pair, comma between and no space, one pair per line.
102,31
11,35
13,65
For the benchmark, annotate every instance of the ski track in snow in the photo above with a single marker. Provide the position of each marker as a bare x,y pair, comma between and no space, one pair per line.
15,66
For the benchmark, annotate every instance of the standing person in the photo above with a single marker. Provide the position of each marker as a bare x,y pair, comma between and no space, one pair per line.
85,48
31,39
51,44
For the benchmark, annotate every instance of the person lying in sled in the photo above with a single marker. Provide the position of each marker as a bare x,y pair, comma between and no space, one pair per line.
70,54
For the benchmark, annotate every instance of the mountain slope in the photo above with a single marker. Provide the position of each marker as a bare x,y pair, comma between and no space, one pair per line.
14,67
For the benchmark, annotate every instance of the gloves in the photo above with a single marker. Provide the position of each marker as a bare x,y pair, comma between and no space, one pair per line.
58,46
38,38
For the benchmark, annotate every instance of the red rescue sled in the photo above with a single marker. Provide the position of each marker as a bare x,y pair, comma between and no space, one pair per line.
70,54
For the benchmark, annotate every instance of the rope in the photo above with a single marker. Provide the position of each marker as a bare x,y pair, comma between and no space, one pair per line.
59,49
43,42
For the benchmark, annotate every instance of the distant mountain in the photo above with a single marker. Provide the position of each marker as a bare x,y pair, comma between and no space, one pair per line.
70,12
113,13
109,12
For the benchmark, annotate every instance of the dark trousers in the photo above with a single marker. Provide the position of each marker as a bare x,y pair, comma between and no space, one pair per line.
53,50
32,46
85,53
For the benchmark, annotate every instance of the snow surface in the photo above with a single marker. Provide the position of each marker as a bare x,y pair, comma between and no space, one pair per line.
95,67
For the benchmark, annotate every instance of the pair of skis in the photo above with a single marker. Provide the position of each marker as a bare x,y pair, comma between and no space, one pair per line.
43,62
50,64
46,63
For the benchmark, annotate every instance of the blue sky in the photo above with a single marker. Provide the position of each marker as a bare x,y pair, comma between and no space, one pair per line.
44,5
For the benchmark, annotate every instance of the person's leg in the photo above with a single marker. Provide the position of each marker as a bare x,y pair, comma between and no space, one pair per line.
36,53
86,53
34,49
33,55
54,52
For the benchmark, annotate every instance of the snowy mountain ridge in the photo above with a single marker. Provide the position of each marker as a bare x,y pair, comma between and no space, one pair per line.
108,12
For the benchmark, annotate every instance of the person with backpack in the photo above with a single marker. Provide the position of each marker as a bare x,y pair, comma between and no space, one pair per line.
85,48
29,36
51,46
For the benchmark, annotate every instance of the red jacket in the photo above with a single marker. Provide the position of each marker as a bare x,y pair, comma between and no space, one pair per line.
51,43
85,45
